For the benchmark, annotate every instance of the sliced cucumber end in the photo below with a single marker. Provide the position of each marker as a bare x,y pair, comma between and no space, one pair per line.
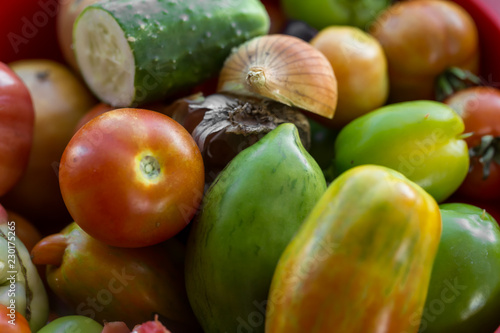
105,57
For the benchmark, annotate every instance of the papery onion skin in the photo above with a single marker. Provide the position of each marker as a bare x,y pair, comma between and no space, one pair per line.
223,125
285,69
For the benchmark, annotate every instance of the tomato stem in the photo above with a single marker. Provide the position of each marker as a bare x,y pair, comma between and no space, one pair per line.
487,152
452,80
150,167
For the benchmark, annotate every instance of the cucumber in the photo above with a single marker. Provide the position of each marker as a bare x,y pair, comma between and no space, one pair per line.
136,51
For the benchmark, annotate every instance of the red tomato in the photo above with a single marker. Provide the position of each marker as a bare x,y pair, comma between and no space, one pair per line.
479,107
17,324
422,39
486,14
60,99
101,108
132,177
28,30
16,128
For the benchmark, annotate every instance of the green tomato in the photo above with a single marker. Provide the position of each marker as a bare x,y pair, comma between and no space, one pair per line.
464,292
420,139
72,324
323,13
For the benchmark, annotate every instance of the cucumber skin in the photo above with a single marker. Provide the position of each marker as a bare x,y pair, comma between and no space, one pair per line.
179,43
249,215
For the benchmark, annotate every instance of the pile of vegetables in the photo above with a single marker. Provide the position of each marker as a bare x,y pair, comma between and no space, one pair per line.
246,166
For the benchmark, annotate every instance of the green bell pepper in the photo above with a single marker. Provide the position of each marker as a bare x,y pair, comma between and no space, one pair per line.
249,215
420,139
464,292
322,13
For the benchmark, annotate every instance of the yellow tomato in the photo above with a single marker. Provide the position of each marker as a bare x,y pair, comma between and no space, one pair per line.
360,67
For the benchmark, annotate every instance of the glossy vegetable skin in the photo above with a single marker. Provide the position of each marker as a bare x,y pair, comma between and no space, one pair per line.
490,206
486,14
464,292
479,107
420,139
73,323
422,39
109,283
173,46
12,321
361,261
132,177
360,66
324,13
248,216
16,127
60,99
